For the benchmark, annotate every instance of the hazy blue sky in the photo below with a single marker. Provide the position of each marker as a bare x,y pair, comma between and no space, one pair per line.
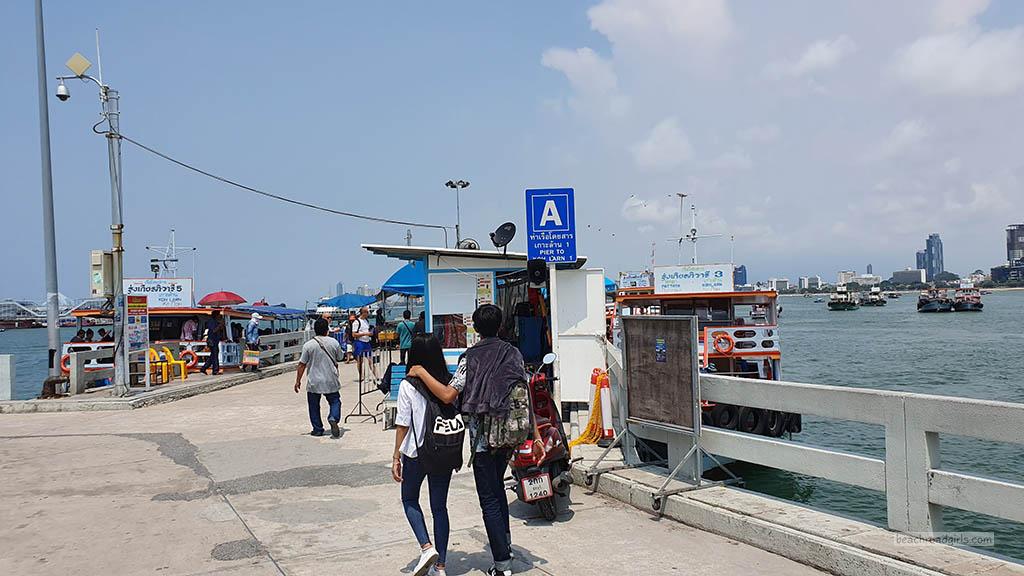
824,135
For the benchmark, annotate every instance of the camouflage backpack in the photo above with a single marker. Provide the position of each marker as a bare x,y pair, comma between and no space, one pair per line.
511,430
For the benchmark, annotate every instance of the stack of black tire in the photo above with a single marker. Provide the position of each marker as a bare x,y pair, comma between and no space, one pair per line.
758,421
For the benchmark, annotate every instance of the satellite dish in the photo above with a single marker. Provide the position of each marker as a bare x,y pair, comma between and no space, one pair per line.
468,244
503,235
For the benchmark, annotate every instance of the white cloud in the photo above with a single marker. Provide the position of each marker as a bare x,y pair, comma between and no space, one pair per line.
817,57
951,166
657,210
592,78
733,160
665,147
951,14
965,62
761,133
682,25
906,137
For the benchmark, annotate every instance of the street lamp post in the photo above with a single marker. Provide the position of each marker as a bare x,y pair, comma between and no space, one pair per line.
457,185
49,241
109,100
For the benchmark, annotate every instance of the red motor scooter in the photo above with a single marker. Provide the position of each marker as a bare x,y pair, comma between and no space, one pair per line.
541,480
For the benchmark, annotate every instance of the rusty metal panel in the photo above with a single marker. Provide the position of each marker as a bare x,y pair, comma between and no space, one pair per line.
660,354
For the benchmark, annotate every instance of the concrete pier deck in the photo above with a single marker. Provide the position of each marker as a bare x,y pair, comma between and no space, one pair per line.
230,483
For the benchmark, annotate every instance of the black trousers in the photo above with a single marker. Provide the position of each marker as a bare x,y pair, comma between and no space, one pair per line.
213,360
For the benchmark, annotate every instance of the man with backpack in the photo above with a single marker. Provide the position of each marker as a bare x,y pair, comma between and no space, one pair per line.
490,383
320,357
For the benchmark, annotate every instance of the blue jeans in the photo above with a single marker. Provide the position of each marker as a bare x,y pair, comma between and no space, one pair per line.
412,478
333,400
489,473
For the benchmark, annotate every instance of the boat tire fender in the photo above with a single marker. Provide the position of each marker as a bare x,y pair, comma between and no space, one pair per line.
725,416
776,423
752,420
795,424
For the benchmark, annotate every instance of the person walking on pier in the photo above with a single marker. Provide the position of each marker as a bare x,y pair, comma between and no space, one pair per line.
252,335
215,332
419,456
404,329
319,362
362,337
483,382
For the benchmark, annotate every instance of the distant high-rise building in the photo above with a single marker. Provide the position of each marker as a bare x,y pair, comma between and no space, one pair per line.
846,276
739,275
870,271
814,282
933,257
803,282
778,284
922,260
1015,244
339,288
365,290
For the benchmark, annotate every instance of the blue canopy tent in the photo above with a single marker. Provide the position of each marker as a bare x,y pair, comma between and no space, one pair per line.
609,285
347,301
281,312
408,280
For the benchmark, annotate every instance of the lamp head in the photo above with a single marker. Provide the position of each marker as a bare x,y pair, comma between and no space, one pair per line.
450,184
63,94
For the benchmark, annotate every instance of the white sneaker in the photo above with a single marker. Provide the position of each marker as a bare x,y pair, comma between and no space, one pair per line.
427,559
435,571
495,572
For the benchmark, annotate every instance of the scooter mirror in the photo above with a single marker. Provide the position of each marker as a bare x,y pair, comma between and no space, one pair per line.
550,358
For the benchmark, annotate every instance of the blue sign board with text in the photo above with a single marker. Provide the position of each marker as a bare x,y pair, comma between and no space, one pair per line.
551,225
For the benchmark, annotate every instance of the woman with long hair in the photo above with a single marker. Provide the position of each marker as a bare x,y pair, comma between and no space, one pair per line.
408,467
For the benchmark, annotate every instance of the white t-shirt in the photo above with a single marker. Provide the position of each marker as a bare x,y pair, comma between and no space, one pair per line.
360,325
412,407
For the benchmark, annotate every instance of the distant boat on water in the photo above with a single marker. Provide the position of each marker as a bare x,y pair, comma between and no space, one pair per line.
842,300
874,298
934,300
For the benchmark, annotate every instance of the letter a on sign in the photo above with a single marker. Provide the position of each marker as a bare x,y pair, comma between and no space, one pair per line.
551,225
550,214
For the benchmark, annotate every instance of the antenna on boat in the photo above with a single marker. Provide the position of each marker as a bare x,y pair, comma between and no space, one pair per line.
692,236
168,265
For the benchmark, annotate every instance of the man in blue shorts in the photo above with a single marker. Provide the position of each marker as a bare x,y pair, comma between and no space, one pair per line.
362,337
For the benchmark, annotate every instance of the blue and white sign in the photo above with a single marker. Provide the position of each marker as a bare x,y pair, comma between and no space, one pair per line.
551,225
693,279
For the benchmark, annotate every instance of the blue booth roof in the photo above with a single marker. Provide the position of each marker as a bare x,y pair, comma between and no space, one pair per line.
348,301
408,280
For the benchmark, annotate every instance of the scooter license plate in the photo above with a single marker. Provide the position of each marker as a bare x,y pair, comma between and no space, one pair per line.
536,487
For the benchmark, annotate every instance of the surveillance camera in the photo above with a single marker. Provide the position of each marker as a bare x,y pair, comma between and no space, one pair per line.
62,92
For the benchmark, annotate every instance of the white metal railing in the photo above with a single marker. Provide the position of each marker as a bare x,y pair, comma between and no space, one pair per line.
284,347
83,370
911,476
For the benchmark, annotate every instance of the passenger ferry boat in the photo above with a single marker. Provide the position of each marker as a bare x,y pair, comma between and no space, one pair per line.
934,300
841,299
874,298
967,299
739,336
165,330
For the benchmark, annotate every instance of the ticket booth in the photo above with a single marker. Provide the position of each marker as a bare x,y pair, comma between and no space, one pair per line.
564,314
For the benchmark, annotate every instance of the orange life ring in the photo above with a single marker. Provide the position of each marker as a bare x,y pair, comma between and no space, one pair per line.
65,363
730,344
193,358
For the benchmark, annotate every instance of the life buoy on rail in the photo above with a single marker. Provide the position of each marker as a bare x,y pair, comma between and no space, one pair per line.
189,358
724,344
65,363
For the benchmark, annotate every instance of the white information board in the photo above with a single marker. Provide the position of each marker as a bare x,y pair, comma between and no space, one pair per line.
162,292
693,278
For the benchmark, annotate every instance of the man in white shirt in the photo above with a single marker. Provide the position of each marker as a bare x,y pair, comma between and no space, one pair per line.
362,336
319,361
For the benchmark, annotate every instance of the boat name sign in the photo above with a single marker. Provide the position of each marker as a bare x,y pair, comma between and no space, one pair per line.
162,292
693,278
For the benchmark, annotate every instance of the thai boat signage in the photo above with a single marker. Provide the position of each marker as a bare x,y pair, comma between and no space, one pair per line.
551,225
162,292
635,280
693,278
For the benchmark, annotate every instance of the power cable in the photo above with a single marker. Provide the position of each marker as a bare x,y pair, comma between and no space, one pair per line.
283,198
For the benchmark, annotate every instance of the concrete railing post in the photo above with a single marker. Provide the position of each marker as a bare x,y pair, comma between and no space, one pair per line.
897,490
7,377
923,455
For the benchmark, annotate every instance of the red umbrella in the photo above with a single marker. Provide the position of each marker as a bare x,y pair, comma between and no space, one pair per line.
222,298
